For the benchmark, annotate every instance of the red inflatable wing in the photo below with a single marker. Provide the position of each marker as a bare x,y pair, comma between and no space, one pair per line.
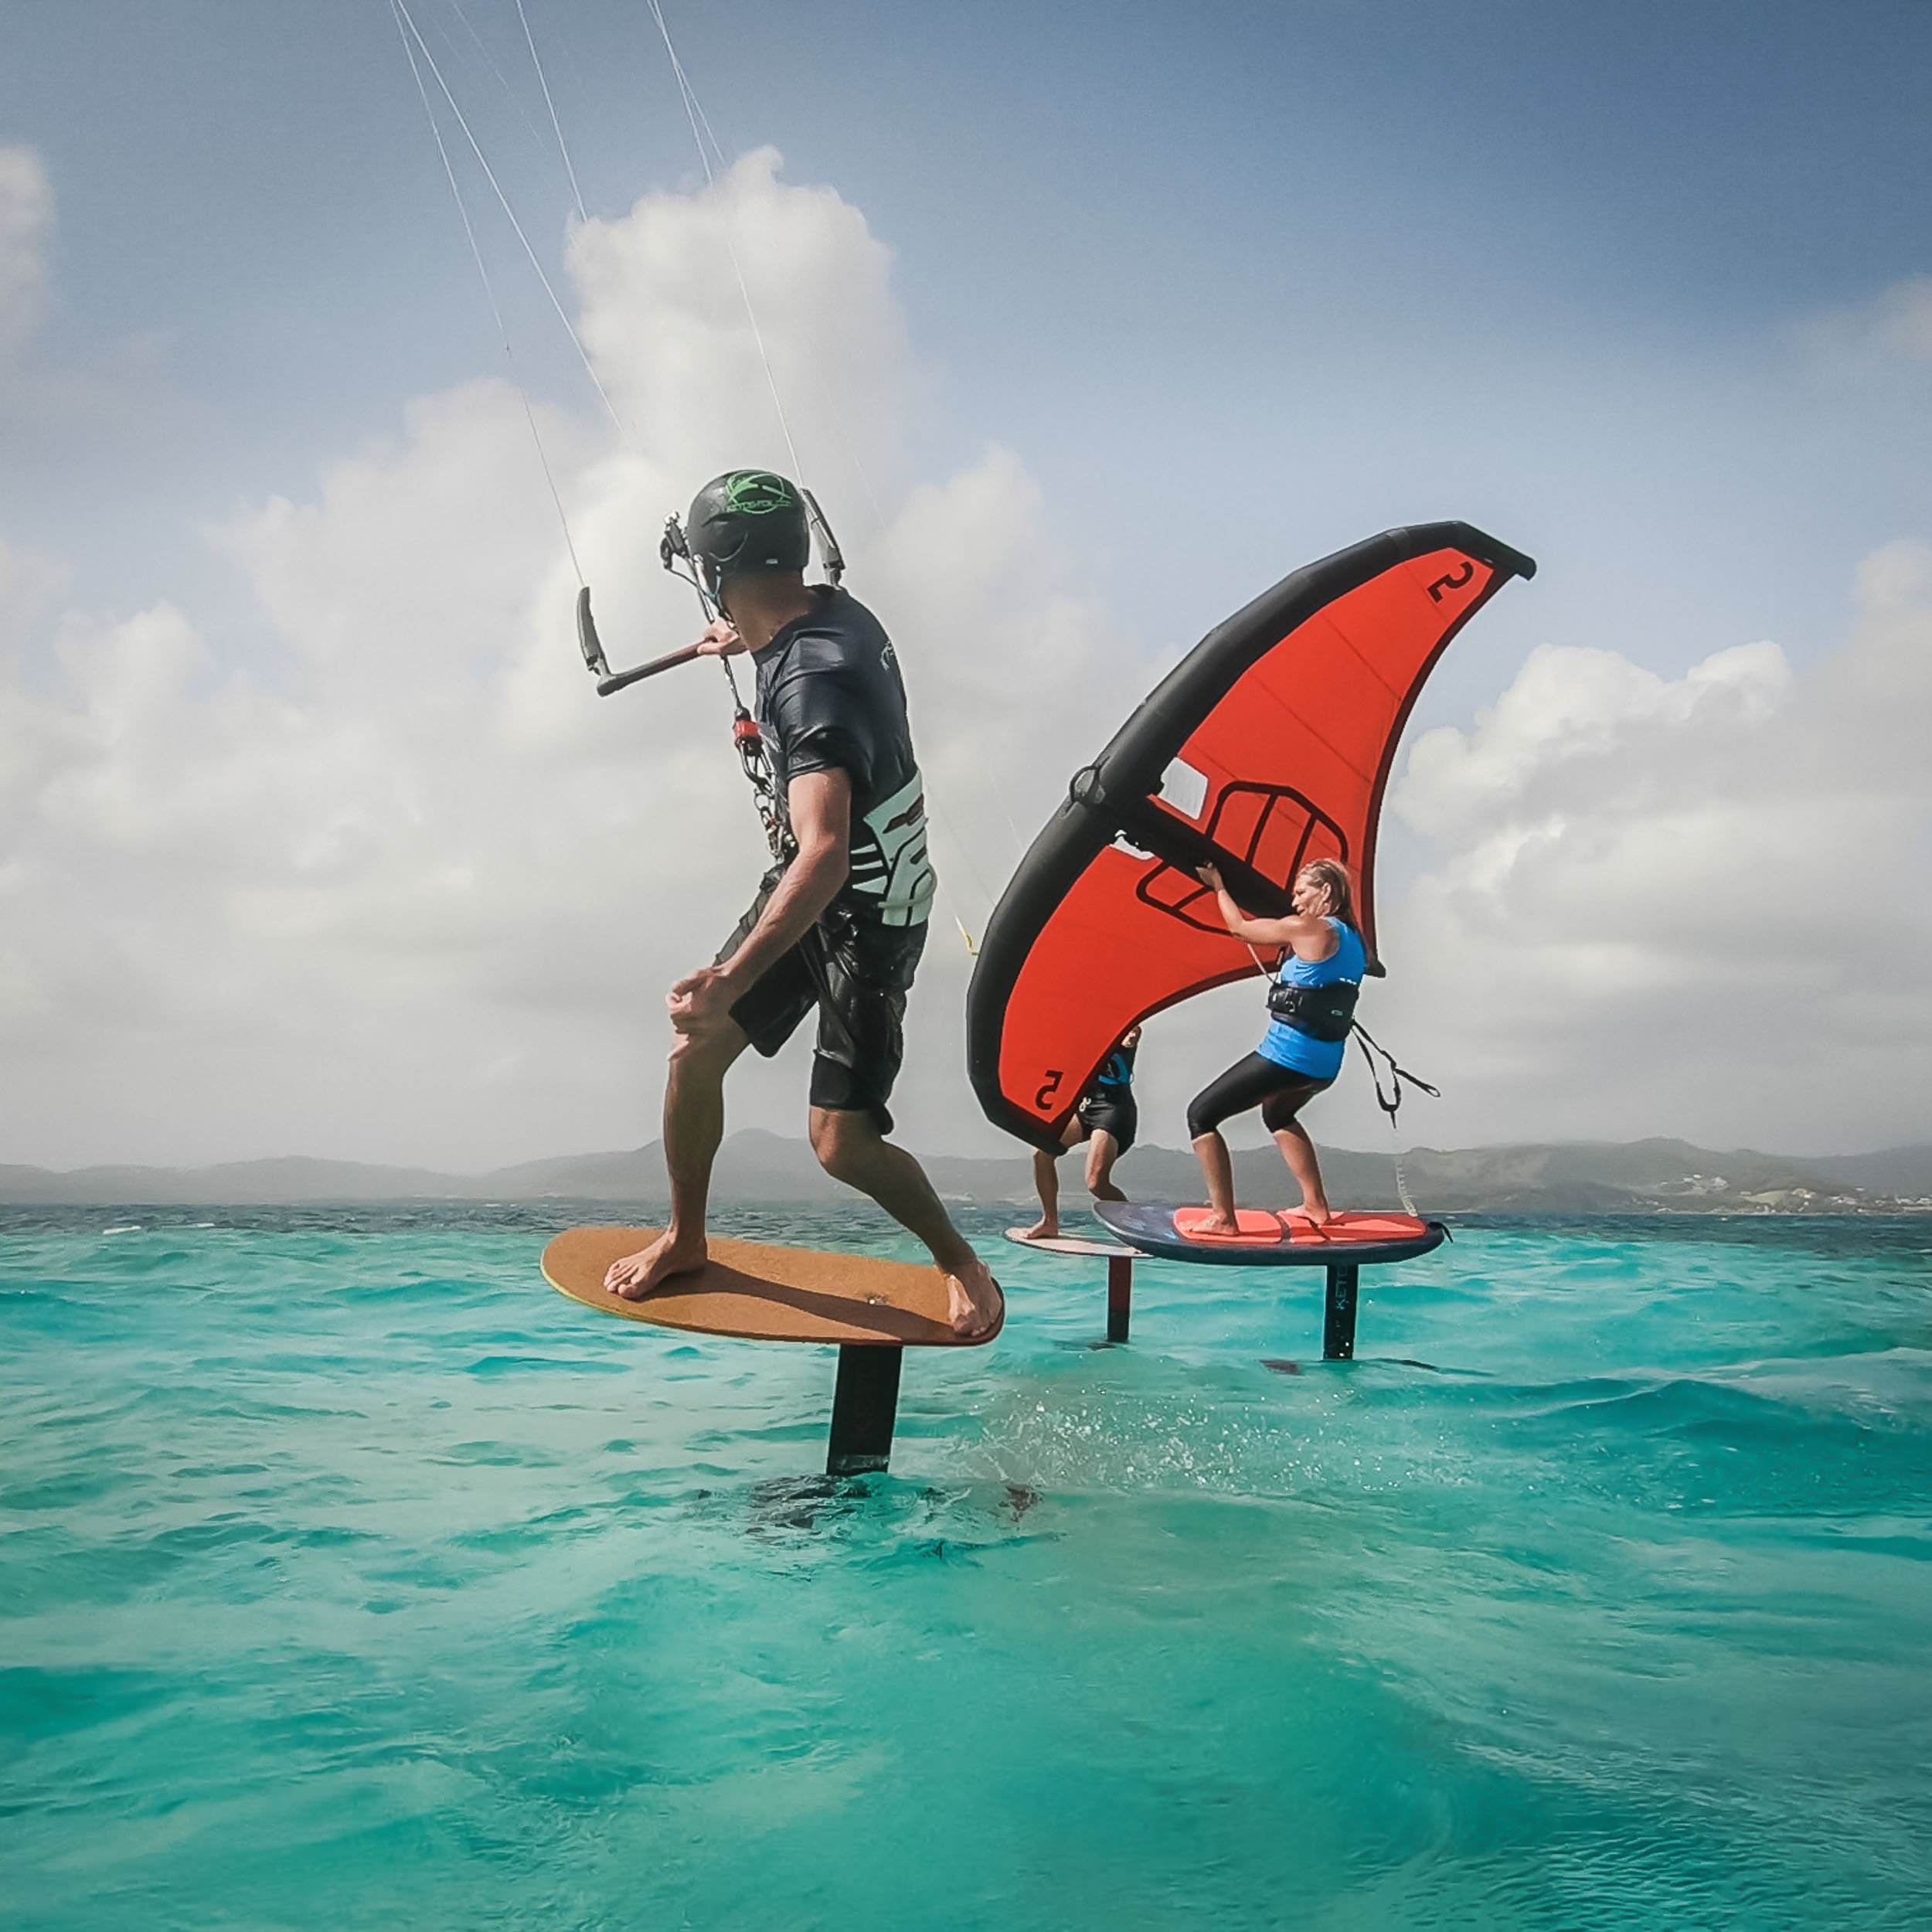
1269,745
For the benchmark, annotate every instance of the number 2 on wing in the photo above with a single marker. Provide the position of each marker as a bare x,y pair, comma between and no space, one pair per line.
1454,581
1043,1099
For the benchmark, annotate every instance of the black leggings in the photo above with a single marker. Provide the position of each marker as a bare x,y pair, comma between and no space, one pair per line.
1279,1091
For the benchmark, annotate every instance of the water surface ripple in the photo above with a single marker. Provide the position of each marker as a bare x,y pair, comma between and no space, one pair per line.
348,1576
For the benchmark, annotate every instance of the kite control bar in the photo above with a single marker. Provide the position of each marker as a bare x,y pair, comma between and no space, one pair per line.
592,646
673,552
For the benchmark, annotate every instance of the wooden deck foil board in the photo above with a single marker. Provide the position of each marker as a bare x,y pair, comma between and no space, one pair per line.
757,1291
1348,1239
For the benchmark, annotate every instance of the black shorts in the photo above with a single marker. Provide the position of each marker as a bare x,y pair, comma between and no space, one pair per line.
857,973
1121,1118
1279,1091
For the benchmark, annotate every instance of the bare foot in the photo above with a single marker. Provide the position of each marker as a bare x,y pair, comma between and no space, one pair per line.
1106,1190
1045,1229
973,1303
635,1276
1213,1223
1316,1216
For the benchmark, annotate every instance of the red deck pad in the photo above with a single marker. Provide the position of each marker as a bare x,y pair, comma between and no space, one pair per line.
1349,1240
1340,1230
1259,1229
1256,1228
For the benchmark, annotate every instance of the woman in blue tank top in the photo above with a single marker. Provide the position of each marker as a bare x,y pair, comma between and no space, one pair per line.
1310,1005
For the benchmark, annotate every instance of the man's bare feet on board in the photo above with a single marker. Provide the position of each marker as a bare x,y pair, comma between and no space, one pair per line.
634,1276
1106,1191
1047,1228
1213,1223
974,1301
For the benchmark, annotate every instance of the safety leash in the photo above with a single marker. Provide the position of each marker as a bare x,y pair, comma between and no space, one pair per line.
1390,1102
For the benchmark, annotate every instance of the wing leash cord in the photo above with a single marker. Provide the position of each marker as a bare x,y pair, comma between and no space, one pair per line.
1391,1102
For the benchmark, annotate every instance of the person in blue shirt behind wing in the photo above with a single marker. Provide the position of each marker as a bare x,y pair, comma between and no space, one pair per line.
1311,1007
1107,1119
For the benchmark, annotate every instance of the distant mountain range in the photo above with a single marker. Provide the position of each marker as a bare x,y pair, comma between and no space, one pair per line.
1634,1177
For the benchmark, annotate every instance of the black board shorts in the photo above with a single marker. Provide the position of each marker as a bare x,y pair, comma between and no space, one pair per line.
857,973
1121,1118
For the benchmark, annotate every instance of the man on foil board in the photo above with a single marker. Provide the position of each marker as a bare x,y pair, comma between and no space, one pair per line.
839,921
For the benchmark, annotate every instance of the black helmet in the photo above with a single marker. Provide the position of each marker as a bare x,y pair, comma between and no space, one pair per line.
749,520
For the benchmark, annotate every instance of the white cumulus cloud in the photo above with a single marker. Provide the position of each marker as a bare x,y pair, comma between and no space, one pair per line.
391,882
1692,906
385,879
27,219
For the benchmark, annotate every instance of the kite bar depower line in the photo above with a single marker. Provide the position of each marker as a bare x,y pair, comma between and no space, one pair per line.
416,49
421,59
425,70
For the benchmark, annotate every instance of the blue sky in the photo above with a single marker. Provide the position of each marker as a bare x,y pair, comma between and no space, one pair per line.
1543,267
1235,284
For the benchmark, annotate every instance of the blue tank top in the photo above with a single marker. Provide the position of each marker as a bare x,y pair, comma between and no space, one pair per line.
1288,1046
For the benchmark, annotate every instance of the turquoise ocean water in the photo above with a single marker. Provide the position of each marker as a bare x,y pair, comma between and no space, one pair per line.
348,1576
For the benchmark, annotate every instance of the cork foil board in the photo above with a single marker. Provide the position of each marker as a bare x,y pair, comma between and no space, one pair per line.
760,1292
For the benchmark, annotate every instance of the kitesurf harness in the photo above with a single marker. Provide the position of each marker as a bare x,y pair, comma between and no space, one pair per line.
1327,1013
1323,1012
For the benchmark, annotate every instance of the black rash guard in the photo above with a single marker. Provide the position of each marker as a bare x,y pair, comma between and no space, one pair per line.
829,699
